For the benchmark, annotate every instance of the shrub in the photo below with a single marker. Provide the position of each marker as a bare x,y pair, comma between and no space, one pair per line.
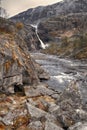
19,25
65,41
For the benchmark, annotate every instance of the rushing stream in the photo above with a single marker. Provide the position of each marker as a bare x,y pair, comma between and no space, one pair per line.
63,71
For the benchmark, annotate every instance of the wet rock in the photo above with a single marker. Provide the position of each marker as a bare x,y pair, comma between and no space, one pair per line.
79,126
37,125
52,126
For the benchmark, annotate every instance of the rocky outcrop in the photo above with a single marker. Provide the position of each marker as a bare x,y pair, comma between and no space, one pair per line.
26,32
16,66
29,35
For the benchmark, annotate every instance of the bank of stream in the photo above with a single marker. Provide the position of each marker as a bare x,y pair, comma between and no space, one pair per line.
63,71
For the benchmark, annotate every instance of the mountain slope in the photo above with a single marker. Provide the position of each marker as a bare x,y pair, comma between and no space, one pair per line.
67,35
44,12
59,24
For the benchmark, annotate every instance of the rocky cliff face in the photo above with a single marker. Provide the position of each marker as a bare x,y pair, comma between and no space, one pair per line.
29,35
43,12
16,65
26,32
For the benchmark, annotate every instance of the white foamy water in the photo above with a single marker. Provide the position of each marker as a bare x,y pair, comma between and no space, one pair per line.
36,29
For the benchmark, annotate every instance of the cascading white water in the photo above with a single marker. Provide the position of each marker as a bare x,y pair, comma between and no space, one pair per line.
36,29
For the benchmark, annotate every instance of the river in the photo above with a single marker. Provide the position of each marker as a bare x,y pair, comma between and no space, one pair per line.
63,71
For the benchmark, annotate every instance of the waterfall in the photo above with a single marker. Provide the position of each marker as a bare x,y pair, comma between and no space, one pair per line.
36,30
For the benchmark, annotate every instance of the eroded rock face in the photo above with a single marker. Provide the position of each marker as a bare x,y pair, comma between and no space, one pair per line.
16,65
25,31
29,35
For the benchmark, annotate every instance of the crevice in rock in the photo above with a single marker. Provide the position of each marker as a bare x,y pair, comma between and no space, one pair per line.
18,88
6,77
65,128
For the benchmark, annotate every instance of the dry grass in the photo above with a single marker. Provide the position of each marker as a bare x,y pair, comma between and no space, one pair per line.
19,25
76,48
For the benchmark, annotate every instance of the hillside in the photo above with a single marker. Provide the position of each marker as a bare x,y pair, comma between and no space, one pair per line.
26,32
64,7
67,35
62,25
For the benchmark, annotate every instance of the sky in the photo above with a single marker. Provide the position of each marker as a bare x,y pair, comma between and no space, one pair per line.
14,7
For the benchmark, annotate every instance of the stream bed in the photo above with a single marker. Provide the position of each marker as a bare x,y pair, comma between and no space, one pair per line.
63,71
